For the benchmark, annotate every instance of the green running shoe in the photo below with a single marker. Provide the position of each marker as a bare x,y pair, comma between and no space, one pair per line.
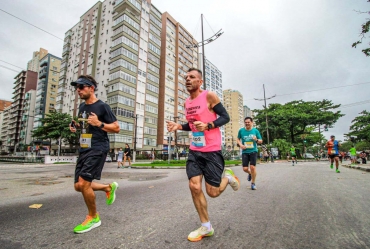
337,170
331,166
111,195
89,224
234,183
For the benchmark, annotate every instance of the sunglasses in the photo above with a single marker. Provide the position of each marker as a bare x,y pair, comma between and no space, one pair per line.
81,87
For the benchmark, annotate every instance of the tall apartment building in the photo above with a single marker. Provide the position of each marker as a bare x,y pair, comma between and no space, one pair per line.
134,73
28,116
4,129
34,63
85,51
24,81
233,102
213,83
176,59
123,45
47,87
247,112
111,42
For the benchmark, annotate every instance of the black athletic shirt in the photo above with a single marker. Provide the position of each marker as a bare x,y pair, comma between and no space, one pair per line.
99,139
128,151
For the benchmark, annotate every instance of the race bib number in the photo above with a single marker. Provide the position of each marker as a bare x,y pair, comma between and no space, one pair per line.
199,139
332,152
249,145
85,141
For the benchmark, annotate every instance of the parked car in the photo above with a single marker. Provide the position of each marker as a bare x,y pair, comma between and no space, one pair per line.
108,159
308,156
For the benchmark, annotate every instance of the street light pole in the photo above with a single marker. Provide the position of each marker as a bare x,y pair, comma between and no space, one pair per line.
203,56
177,151
135,137
205,42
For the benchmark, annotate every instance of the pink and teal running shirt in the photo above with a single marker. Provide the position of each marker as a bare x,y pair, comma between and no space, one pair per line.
197,110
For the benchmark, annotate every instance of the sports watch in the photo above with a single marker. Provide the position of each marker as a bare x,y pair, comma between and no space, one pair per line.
102,125
209,126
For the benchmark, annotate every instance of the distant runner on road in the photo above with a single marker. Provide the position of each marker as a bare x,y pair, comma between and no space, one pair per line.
248,138
333,152
293,155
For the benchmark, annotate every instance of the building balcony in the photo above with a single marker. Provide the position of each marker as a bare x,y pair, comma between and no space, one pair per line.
65,51
122,5
43,63
42,74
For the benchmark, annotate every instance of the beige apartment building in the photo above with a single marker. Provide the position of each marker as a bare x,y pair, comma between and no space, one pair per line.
47,88
34,63
233,102
176,59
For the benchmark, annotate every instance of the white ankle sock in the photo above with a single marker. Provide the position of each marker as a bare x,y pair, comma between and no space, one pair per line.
229,177
207,225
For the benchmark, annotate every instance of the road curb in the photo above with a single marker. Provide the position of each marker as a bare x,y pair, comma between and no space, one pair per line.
363,168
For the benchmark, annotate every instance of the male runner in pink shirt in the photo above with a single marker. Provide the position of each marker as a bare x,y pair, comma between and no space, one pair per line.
205,157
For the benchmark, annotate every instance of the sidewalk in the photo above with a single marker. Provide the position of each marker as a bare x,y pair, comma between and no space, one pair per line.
364,167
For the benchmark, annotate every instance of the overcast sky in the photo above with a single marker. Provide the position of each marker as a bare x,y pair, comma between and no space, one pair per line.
290,46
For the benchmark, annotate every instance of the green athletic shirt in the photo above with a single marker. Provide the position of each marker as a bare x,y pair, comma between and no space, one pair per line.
246,138
292,151
352,151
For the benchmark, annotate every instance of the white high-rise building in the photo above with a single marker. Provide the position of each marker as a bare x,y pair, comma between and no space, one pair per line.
213,83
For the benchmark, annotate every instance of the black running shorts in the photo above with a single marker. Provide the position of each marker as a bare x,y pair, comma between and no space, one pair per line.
209,164
249,158
90,165
333,156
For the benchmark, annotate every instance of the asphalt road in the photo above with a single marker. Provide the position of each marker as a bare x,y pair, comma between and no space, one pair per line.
305,206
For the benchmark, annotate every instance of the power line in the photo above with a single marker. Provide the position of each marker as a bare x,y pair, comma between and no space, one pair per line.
12,64
31,24
354,104
277,95
9,68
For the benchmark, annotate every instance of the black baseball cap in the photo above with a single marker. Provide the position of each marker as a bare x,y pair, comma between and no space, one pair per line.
83,81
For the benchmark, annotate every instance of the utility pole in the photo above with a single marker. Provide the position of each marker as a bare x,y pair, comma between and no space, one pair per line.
267,125
205,42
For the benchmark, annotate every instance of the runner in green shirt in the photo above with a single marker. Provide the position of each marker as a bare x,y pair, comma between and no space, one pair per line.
293,155
248,138
353,155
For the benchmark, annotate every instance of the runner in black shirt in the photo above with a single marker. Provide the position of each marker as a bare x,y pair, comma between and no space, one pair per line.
95,120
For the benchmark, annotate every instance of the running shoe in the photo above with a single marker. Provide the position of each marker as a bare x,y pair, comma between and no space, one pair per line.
200,233
111,195
337,170
89,224
249,177
331,166
234,183
253,186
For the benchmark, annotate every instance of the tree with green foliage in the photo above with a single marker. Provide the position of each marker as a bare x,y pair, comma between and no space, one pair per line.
55,126
365,28
361,127
291,120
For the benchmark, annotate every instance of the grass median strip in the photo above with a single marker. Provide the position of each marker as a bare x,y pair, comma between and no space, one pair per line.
177,163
